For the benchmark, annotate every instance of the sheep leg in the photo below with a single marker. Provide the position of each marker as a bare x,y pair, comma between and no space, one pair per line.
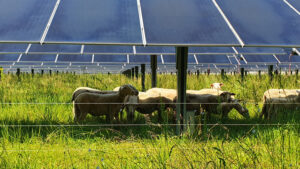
76,112
263,112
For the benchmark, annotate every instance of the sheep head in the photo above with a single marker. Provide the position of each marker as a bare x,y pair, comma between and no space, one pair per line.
128,90
242,110
226,96
131,103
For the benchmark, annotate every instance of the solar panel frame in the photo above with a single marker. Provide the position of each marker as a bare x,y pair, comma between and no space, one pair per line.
182,29
255,29
73,20
28,23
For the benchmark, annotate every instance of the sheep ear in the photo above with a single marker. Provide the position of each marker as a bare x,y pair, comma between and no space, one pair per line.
232,94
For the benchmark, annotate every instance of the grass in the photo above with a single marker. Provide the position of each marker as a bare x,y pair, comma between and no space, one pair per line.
214,146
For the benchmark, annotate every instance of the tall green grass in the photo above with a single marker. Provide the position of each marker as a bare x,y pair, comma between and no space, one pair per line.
216,146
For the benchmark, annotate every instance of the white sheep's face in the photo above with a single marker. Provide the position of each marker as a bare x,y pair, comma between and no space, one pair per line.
131,103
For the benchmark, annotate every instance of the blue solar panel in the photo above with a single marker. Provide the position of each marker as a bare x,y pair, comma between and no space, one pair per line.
42,58
256,50
12,48
223,50
139,59
260,58
221,59
185,22
27,63
9,57
55,48
155,50
288,58
111,58
295,3
105,21
74,58
172,59
55,64
260,22
233,60
108,49
24,20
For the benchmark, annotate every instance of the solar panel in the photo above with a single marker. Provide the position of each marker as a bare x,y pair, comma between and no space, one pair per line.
171,59
12,48
185,22
139,59
218,59
9,57
260,58
54,48
209,50
259,22
260,50
152,50
108,49
42,58
24,21
94,21
110,58
288,58
74,58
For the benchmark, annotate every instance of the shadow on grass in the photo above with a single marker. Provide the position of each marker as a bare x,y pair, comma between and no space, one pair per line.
94,127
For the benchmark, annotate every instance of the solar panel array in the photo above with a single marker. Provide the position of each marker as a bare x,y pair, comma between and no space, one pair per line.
120,34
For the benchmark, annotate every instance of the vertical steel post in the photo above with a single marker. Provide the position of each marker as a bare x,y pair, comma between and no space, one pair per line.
153,70
143,69
181,66
136,69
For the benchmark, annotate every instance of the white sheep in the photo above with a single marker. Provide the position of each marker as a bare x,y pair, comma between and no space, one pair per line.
216,86
167,93
101,104
277,100
147,104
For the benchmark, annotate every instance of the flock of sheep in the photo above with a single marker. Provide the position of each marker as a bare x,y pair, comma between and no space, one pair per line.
211,101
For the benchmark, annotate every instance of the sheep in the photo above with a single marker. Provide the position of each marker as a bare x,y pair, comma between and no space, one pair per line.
216,86
167,93
214,103
94,103
147,104
80,90
276,100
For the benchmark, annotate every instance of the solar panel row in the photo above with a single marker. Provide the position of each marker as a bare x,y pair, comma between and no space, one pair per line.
155,22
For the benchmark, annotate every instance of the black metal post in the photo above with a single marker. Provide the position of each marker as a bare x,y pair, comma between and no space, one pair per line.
143,69
132,73
153,70
50,72
18,72
181,66
32,72
242,73
136,69
42,72
198,73
270,70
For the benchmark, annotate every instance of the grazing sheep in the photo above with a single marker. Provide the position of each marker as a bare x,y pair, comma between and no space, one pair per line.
209,91
277,100
213,104
80,90
147,104
94,103
167,93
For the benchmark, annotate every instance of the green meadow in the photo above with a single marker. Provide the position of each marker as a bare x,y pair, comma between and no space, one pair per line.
37,128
